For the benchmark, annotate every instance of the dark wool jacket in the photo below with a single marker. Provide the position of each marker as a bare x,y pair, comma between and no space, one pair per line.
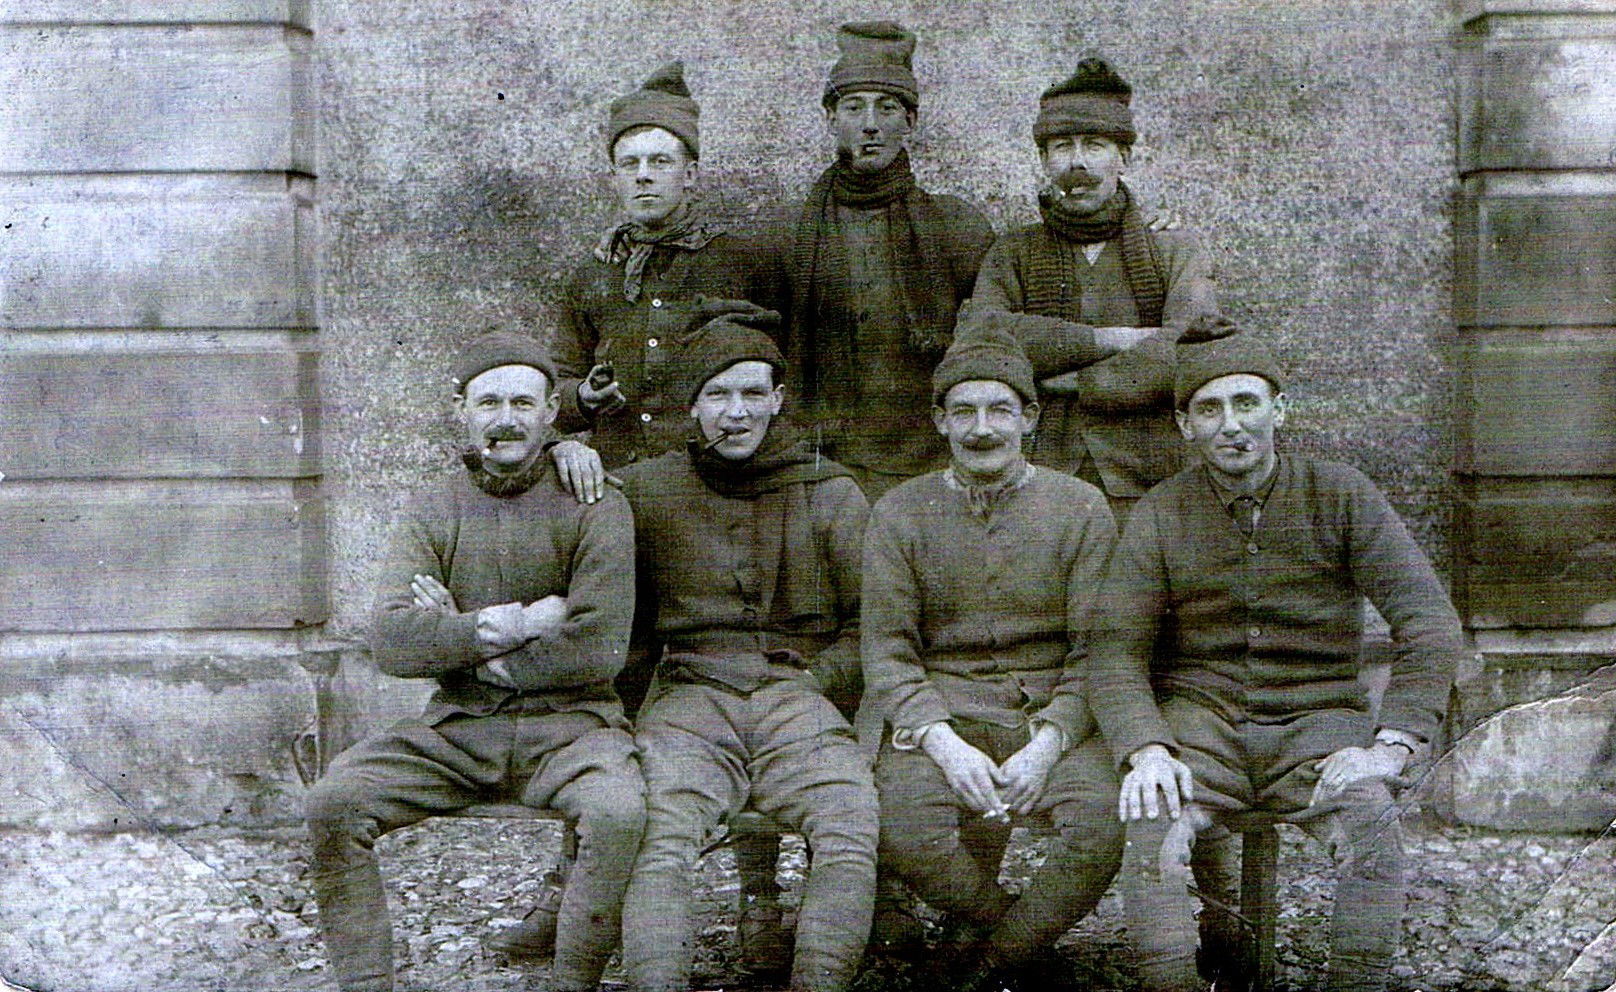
876,411
490,550
1267,626
701,568
983,620
1118,409
596,323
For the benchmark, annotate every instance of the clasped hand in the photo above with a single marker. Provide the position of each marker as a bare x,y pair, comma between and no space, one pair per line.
995,790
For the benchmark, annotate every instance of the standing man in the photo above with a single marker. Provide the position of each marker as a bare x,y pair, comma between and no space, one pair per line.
623,305
878,270
978,584
749,548
518,601
1092,287
1253,703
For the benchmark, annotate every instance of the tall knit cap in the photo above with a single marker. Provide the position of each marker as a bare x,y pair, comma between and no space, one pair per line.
661,101
1213,346
496,348
875,55
1094,100
733,331
984,348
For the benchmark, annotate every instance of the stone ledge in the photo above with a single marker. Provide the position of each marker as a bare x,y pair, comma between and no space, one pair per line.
155,12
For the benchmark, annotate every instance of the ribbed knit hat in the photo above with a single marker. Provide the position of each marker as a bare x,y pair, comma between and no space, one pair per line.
661,101
496,348
1093,101
1213,346
984,348
738,335
875,56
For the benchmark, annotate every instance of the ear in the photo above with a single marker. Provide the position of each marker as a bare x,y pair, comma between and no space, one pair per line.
1281,404
1127,155
552,406
692,173
1029,417
777,399
1184,427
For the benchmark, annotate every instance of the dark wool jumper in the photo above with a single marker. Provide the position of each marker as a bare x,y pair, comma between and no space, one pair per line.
983,619
1267,627
732,600
488,550
1117,427
596,323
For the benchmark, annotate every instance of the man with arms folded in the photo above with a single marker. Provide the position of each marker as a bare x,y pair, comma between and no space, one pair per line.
748,561
1092,286
518,600
978,581
1262,560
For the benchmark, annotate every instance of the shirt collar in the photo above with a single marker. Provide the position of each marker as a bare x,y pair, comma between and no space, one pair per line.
1228,496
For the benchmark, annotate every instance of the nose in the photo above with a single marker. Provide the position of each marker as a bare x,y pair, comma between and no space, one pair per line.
1228,424
735,409
980,427
642,173
869,123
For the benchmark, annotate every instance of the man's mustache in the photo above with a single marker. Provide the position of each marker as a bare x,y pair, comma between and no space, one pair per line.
1076,181
505,434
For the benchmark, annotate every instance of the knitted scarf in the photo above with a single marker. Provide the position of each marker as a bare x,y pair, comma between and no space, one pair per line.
984,499
630,244
777,476
1053,275
824,337
505,486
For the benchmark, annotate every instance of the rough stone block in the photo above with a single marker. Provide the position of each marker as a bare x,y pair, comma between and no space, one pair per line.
1534,258
1528,405
163,739
154,11
1530,100
221,414
172,99
1535,552
161,555
1543,765
156,251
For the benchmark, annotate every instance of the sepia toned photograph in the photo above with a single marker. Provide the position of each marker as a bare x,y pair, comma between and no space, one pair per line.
660,495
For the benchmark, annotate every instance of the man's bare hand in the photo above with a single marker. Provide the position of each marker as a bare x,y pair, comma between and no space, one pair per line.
430,594
607,397
1119,339
501,628
580,469
1162,220
1024,774
1354,764
543,618
1154,769
969,772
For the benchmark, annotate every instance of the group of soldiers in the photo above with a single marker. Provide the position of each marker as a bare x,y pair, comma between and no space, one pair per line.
709,563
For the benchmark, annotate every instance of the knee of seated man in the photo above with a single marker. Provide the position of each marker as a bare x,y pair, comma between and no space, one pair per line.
332,810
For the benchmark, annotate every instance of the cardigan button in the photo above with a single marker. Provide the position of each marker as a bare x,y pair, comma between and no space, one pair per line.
657,303
645,418
652,342
1252,548
1254,632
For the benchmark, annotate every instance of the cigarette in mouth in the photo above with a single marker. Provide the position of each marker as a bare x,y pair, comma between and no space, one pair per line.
715,442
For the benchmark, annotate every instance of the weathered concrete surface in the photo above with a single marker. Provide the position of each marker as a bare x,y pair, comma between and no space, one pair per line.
462,176
154,11
170,99
155,733
1546,765
109,415
161,555
1532,403
213,251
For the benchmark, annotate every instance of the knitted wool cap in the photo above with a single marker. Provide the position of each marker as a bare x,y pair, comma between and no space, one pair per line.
1213,346
1093,101
875,56
662,101
984,348
728,339
496,348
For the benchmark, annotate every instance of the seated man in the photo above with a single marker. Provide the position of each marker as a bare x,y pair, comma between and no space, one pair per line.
1262,561
978,581
748,561
518,600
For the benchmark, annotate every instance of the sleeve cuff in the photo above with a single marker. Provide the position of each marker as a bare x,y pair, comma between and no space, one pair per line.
1391,735
911,738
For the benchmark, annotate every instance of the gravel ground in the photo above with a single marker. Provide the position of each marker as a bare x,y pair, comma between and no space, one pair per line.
226,910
